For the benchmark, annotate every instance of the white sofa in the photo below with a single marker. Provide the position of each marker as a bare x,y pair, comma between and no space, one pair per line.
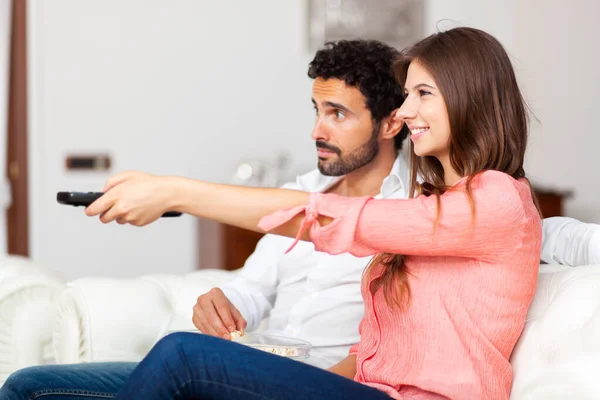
100,319
557,356
27,294
103,319
558,353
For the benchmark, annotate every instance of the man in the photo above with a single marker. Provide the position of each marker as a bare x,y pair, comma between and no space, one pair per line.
308,294
305,294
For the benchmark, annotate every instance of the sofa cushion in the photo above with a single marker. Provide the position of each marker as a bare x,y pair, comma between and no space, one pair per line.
561,339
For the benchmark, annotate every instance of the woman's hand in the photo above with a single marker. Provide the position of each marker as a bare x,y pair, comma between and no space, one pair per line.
138,198
134,198
346,367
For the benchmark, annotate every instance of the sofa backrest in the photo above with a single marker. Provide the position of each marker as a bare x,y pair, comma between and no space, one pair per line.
559,349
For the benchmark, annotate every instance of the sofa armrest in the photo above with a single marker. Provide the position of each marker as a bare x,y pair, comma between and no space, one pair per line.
27,292
102,319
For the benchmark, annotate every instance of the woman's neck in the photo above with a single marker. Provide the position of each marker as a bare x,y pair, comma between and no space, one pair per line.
450,175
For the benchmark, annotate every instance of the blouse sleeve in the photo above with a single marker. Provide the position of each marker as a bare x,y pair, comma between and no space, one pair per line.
365,226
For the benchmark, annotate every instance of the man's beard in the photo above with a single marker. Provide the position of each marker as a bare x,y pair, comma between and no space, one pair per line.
349,162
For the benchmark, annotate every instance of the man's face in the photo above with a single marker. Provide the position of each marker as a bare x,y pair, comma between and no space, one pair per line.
344,133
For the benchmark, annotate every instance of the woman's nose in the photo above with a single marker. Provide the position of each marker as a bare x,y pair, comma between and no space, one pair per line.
407,111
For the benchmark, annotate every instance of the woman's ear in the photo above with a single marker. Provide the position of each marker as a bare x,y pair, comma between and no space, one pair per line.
391,125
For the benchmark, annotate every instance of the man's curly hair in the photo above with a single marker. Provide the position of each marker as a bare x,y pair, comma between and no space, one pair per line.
366,65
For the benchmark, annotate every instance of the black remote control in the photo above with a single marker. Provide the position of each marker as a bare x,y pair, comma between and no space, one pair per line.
84,199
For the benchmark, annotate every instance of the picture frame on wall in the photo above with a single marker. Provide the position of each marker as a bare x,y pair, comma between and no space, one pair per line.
398,23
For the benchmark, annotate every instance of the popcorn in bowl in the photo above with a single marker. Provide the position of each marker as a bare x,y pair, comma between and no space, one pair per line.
279,345
293,348
280,351
235,335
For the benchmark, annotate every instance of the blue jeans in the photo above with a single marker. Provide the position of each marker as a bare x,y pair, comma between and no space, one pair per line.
67,382
194,366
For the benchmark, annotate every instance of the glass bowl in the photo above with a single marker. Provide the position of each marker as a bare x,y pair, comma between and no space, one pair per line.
280,345
284,346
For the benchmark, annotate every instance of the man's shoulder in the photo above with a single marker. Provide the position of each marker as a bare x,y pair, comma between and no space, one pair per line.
312,181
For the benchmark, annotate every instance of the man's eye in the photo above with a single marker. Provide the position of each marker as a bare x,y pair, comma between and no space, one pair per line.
340,115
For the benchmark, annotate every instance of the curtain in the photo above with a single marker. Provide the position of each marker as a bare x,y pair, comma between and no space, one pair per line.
5,196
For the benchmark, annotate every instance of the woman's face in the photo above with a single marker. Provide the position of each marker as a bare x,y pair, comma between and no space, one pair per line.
424,112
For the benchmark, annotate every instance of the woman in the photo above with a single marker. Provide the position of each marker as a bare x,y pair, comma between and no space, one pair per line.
455,268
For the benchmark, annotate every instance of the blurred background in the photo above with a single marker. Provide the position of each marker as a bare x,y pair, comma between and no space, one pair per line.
217,90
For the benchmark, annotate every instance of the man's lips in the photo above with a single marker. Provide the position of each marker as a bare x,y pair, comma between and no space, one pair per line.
324,152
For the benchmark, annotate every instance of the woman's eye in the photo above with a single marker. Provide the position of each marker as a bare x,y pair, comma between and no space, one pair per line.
423,92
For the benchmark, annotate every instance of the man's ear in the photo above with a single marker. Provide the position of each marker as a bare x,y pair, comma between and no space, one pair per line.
391,125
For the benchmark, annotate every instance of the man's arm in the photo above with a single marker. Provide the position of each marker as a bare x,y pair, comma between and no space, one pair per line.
346,367
253,290
570,242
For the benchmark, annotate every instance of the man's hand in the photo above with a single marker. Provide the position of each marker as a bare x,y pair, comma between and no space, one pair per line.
215,315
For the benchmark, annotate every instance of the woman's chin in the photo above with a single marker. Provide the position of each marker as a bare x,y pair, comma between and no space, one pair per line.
421,152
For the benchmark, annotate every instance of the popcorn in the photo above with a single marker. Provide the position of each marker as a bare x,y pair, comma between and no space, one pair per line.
280,351
274,345
235,335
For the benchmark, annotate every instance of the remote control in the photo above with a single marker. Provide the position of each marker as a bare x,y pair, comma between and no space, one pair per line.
84,199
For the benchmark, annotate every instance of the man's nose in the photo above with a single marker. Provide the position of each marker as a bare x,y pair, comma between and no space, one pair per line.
319,131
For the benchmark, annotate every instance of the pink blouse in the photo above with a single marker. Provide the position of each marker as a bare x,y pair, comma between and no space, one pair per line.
471,281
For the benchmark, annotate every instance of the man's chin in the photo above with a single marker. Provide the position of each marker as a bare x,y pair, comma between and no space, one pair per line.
328,169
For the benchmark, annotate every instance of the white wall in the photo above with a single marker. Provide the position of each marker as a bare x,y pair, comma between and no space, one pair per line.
492,16
560,55
191,87
181,87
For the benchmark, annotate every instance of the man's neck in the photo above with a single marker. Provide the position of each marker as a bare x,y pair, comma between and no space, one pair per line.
367,180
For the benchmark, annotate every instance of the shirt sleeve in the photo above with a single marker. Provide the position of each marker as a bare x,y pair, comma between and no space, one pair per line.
570,242
364,226
253,290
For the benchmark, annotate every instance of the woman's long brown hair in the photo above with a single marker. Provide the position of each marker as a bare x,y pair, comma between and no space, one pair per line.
488,126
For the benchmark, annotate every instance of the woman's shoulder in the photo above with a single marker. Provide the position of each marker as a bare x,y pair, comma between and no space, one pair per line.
492,180
502,190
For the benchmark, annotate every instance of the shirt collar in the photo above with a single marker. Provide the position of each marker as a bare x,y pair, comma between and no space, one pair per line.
394,185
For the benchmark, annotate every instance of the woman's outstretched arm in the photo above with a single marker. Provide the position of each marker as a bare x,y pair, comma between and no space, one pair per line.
360,226
139,199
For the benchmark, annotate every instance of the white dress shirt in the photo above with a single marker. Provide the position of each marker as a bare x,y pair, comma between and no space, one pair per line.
308,294
570,242
315,296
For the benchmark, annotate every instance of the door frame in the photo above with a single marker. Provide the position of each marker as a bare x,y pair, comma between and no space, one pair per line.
17,160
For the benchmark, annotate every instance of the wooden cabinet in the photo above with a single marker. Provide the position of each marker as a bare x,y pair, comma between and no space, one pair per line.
228,247
225,246
552,202
238,245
